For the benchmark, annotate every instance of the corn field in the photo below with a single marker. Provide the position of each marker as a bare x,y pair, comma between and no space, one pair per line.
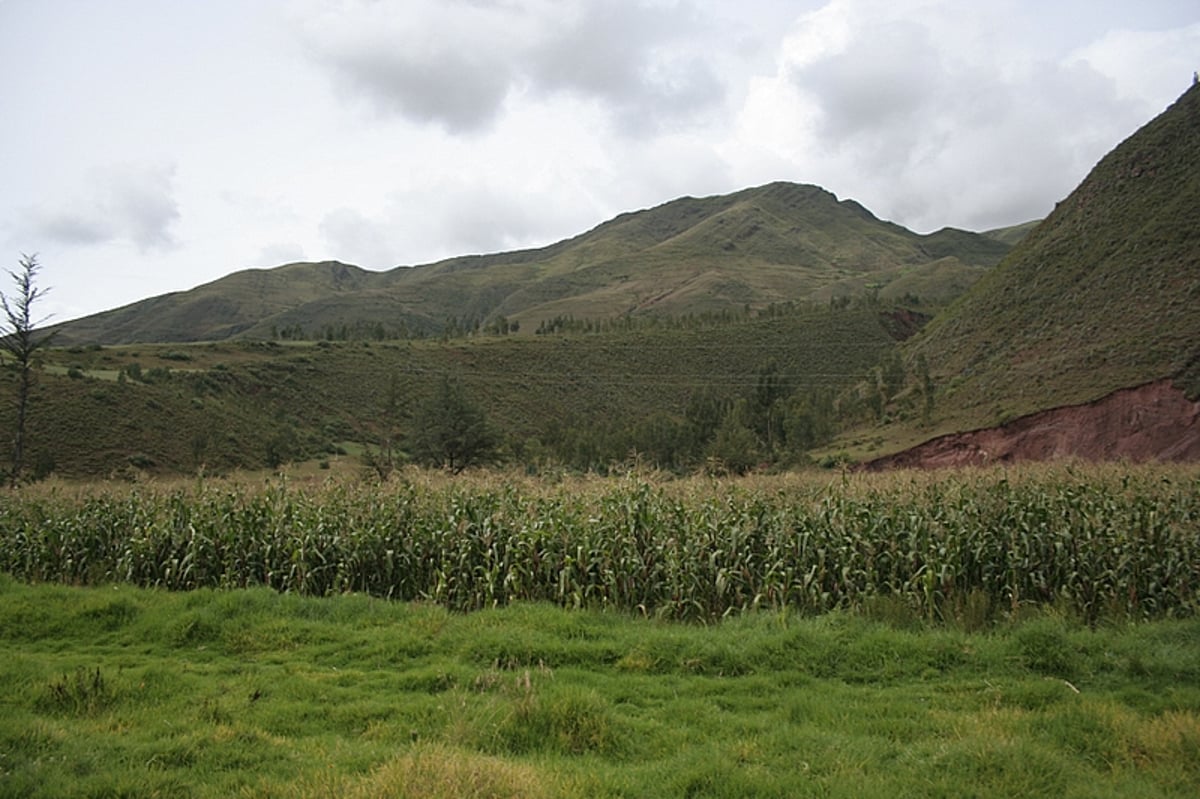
1100,542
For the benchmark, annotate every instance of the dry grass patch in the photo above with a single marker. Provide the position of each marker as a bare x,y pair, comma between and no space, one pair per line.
443,771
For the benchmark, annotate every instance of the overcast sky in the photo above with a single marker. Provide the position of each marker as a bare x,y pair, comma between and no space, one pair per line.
150,146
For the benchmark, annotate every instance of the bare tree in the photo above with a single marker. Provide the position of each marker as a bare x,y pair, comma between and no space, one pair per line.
384,457
17,338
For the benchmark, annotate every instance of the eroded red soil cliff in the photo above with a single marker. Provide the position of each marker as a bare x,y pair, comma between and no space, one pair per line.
1151,422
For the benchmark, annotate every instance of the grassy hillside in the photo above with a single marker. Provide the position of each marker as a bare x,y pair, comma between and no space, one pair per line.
177,417
172,408
777,243
221,309
1104,294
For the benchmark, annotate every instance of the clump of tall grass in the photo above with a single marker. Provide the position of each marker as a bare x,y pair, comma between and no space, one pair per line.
83,692
1101,542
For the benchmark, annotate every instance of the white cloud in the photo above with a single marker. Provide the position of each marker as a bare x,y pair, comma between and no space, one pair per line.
1158,62
131,203
459,216
353,237
279,253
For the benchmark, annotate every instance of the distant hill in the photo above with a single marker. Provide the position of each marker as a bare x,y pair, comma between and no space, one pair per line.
1012,234
777,243
1102,295
222,309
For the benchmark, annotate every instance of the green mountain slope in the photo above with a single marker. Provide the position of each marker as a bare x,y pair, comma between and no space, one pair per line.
223,308
777,243
176,408
1103,294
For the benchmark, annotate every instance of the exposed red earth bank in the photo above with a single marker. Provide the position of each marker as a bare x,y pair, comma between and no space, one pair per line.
1155,421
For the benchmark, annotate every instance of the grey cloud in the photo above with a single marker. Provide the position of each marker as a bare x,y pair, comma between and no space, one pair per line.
642,60
455,64
885,76
461,93
129,203
598,53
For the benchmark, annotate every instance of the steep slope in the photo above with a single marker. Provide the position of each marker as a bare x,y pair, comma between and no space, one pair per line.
776,243
1102,295
1151,422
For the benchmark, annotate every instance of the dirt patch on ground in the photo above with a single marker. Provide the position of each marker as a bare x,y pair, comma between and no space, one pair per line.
1151,422
902,324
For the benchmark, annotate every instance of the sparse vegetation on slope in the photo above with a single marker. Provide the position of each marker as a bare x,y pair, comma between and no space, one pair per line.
585,400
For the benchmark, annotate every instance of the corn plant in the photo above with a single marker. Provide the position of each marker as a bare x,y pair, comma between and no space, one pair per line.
1100,542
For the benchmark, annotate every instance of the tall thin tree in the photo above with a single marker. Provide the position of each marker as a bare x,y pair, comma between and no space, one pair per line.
452,432
19,339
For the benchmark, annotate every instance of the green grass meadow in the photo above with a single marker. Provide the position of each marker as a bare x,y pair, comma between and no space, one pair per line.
899,685
121,691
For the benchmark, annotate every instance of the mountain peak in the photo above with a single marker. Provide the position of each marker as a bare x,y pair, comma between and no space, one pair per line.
780,242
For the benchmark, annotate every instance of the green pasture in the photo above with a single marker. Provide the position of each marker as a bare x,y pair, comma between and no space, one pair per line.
132,692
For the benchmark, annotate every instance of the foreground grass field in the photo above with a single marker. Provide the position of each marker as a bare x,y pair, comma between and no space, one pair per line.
129,692
1010,633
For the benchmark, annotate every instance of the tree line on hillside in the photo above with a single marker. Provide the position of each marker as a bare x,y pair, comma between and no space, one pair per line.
473,326
766,426
771,424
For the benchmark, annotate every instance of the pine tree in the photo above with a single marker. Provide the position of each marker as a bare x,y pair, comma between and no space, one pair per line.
451,432
18,338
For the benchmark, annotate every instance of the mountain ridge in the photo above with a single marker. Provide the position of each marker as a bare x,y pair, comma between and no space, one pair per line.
780,242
